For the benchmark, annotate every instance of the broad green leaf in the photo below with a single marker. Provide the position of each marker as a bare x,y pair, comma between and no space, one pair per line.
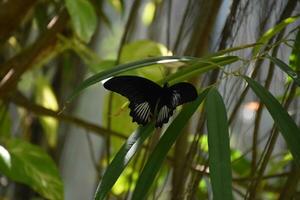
218,146
29,164
121,160
200,66
159,153
44,96
120,119
126,67
273,31
295,55
287,69
118,5
142,49
282,119
83,18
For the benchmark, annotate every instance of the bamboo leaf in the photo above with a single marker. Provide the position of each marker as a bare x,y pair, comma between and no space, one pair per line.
282,119
218,146
295,55
273,31
126,67
159,153
287,69
121,160
200,66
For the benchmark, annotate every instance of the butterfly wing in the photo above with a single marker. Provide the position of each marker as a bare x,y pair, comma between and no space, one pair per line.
164,113
182,93
172,97
142,94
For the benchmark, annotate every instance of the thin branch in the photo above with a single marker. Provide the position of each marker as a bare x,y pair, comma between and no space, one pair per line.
18,99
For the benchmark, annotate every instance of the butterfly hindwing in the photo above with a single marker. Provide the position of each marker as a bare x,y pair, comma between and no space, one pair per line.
182,93
140,112
163,115
172,97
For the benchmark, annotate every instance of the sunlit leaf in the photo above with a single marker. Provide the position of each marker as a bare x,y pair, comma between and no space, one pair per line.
117,5
273,31
159,153
282,119
149,12
218,146
44,96
83,18
240,164
295,55
142,49
28,164
121,160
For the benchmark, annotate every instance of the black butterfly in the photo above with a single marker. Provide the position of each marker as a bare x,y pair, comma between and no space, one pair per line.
150,101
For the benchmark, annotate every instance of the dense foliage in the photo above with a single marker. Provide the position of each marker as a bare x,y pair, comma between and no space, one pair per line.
240,139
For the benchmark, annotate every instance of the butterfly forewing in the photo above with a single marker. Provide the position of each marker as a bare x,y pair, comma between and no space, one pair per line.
134,88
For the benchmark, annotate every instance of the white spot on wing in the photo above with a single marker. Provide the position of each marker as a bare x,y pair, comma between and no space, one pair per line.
175,99
143,111
163,114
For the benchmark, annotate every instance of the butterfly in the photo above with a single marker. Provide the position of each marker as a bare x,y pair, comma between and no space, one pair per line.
148,100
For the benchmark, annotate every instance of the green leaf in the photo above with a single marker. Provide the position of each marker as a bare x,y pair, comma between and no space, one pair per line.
282,119
159,154
200,66
45,96
142,49
218,146
121,160
287,69
120,120
126,67
29,164
273,31
83,18
148,13
295,55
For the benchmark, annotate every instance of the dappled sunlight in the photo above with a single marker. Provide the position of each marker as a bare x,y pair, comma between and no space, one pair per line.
5,156
249,110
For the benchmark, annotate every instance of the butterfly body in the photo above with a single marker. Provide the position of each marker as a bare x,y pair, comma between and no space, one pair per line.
148,100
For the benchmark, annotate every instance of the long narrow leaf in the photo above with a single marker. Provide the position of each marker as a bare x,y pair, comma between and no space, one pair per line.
201,66
121,160
218,146
287,69
284,122
273,31
126,67
159,154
